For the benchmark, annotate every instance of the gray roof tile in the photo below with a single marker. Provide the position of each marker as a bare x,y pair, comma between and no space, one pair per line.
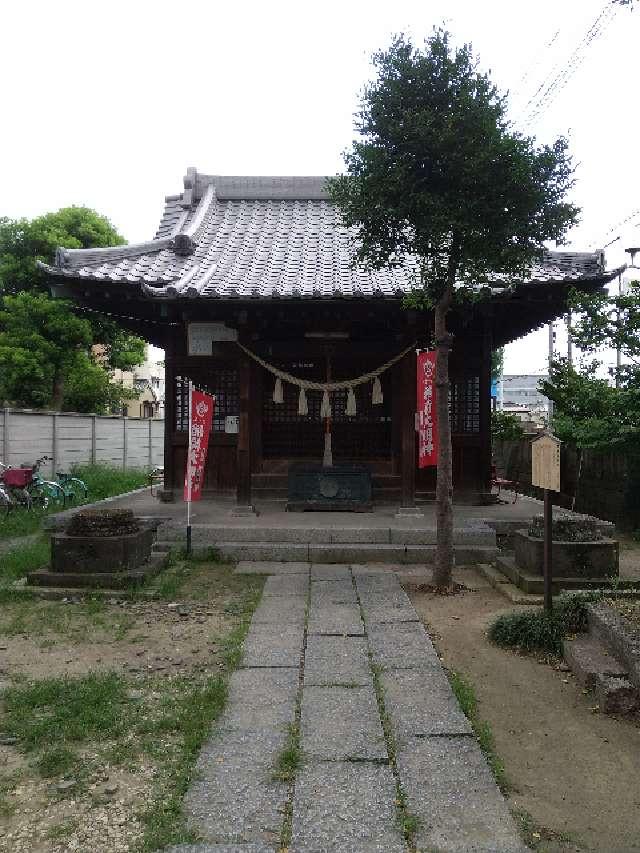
261,238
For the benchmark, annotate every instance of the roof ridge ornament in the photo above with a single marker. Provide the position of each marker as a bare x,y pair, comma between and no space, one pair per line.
186,240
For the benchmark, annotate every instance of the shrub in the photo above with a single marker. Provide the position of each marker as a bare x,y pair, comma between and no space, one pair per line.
537,630
505,426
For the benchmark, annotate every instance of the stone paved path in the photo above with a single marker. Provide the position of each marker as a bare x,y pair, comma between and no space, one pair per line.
338,653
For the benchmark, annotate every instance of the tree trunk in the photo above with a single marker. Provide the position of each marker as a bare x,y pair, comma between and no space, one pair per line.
444,480
58,393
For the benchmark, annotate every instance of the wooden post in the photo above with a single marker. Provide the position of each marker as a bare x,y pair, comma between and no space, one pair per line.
169,416
548,551
243,493
408,432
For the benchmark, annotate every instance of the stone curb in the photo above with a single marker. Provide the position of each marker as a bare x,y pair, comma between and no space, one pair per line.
610,627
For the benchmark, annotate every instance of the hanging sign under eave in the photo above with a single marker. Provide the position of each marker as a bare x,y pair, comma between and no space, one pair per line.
202,336
426,407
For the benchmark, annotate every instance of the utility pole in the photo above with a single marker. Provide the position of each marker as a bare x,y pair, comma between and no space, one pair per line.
618,350
551,343
569,341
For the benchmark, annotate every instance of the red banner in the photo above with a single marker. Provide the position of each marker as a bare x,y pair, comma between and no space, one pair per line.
201,415
427,418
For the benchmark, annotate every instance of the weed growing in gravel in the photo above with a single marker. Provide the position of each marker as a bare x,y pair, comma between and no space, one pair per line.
465,694
290,758
55,761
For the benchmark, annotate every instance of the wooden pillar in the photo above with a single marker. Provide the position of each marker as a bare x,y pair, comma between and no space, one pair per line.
397,398
408,431
169,416
485,409
255,416
243,494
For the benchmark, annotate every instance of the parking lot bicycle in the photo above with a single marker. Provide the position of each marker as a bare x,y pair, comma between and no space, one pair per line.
19,487
73,487
51,488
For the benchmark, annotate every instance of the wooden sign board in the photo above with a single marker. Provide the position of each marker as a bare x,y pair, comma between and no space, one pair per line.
545,462
203,335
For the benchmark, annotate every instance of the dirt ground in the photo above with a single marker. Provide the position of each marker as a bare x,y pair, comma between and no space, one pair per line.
162,650
574,774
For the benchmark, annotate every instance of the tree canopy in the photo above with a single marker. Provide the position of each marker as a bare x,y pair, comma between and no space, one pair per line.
23,242
438,177
46,359
47,355
588,411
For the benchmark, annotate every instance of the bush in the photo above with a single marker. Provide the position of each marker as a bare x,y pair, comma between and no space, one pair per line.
505,426
537,630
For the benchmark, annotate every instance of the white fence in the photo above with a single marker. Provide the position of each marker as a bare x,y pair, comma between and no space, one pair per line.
74,439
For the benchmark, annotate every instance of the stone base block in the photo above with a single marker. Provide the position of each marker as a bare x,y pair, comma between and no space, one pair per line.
616,695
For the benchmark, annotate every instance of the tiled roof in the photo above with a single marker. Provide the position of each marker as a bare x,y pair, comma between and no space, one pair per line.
244,238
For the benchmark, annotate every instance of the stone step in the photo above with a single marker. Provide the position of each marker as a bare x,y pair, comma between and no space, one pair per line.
212,534
589,660
345,553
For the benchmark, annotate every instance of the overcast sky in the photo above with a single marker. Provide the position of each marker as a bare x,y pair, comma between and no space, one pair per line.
106,105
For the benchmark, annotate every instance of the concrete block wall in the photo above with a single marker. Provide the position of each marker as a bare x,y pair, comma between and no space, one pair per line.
75,439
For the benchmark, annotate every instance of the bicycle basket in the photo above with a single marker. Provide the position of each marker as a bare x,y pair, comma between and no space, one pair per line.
17,478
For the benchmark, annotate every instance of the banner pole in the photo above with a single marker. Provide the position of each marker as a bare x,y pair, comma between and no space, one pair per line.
189,474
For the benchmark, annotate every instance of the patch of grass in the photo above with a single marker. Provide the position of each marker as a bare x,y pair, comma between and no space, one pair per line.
78,622
289,760
465,694
55,761
537,630
104,481
56,711
22,559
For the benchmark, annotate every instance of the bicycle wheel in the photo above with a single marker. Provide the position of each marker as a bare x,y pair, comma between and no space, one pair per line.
38,497
5,504
79,487
54,492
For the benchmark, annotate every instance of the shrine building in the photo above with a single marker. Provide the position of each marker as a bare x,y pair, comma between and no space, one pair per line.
250,289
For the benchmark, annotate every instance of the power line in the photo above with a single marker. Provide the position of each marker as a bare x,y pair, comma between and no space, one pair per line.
549,89
627,219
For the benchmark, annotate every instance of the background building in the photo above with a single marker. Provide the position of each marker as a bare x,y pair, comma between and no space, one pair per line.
520,391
